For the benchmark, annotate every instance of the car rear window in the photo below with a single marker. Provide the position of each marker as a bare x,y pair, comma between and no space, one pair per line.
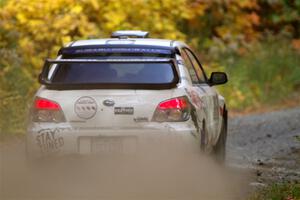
111,66
115,73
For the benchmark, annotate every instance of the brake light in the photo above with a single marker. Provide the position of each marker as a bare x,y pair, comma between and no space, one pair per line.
45,104
179,103
173,110
45,110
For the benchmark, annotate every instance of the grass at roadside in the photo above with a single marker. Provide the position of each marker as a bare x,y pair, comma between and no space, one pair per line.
266,74
288,103
283,191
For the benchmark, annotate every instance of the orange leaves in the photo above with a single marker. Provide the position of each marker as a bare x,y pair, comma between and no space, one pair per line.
252,4
296,44
198,8
254,18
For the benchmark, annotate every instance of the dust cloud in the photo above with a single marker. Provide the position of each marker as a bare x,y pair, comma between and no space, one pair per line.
149,175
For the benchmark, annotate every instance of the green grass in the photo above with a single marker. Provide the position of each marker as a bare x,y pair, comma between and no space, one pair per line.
17,87
284,191
266,74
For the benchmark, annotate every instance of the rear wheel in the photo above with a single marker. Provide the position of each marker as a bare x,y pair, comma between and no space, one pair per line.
219,149
203,137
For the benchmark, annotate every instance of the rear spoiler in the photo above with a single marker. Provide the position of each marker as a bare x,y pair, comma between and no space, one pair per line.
45,80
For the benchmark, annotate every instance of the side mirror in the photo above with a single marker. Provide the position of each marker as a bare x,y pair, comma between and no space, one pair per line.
217,78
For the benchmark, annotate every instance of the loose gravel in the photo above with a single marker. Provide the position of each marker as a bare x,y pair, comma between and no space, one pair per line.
267,143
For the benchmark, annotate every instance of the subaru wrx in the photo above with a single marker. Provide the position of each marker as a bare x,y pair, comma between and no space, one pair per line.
103,96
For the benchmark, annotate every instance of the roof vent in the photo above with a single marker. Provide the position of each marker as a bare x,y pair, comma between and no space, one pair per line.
127,34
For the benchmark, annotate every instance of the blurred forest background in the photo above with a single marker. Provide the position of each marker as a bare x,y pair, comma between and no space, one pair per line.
257,42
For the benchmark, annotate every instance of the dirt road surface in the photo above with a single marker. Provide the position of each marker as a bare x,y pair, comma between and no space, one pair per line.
268,144
261,149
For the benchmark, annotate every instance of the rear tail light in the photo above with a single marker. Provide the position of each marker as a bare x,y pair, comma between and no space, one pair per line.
173,110
45,110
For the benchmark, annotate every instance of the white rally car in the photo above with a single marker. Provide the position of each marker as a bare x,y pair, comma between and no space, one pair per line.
112,95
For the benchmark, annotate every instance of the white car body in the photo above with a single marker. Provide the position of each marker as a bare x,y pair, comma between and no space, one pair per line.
125,115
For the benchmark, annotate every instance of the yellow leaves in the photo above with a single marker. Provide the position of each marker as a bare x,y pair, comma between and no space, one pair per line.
35,23
114,20
77,9
95,4
239,95
28,55
66,39
25,43
223,31
21,18
36,62
45,25
250,4
234,96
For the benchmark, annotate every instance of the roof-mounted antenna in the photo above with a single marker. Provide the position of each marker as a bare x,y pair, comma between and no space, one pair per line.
127,34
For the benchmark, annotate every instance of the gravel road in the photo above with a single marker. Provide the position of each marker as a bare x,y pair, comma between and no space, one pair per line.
269,144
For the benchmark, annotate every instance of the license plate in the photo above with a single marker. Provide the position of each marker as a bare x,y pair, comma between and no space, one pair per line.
114,145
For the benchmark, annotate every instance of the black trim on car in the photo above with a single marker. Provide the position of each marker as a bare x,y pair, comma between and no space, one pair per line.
197,60
163,86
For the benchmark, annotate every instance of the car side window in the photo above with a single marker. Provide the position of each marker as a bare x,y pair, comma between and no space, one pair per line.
196,66
188,64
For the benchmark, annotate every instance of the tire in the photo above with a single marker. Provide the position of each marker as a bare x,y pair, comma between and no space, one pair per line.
203,139
219,149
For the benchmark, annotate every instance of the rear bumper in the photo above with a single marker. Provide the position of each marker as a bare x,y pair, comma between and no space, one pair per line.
63,139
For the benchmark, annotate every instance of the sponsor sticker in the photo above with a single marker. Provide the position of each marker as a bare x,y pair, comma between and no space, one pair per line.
196,100
141,119
124,110
85,107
